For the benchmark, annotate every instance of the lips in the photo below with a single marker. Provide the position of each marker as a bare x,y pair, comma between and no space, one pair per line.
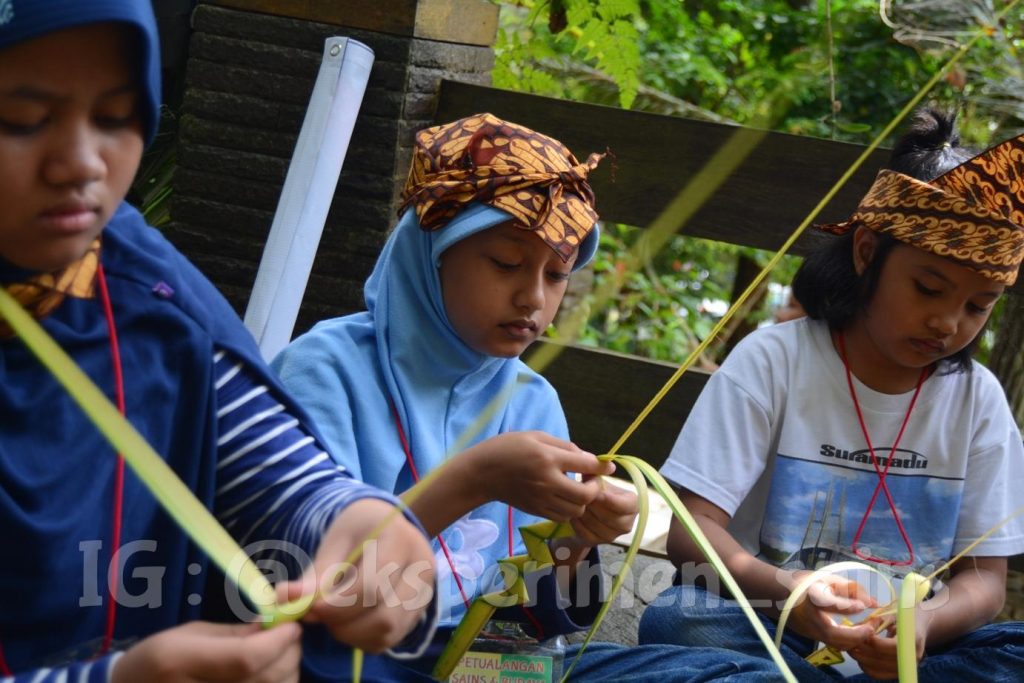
929,347
522,328
70,217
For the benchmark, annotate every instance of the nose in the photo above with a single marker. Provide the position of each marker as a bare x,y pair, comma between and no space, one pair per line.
943,322
75,157
530,293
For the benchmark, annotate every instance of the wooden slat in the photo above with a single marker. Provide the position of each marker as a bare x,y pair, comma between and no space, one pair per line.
603,392
386,16
759,205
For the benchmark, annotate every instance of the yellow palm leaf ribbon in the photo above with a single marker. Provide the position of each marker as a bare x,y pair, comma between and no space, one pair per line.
538,556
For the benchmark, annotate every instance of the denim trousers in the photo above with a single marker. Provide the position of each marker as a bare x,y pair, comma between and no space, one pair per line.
600,663
691,617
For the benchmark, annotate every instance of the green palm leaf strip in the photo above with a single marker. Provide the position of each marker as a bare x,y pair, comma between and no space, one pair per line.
538,556
680,512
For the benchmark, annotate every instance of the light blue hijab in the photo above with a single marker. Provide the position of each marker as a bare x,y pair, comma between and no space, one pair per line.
402,357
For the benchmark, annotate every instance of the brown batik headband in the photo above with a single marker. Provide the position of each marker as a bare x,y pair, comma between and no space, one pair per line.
973,214
531,176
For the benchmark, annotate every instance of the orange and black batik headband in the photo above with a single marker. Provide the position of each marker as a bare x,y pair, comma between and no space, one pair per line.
533,177
973,214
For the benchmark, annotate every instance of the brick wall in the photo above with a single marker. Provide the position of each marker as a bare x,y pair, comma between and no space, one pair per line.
249,76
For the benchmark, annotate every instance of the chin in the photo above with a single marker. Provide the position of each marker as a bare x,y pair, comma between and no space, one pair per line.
506,353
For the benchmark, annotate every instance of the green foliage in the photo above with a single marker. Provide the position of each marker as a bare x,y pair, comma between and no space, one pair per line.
658,312
600,32
827,68
151,188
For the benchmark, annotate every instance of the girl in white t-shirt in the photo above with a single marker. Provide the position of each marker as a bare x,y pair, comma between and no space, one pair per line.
866,432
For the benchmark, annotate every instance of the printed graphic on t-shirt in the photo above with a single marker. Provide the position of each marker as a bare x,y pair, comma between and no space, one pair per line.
816,507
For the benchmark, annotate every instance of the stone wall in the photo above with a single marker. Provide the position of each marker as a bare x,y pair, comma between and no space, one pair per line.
248,79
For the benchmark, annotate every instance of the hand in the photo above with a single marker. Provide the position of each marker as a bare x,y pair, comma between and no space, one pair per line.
374,604
527,470
202,651
832,595
607,517
877,655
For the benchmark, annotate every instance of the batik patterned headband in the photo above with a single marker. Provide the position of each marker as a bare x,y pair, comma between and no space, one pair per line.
973,214
531,176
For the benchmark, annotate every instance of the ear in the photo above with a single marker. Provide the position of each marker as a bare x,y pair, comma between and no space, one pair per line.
865,242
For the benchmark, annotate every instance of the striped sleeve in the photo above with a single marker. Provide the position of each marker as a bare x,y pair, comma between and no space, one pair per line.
274,481
93,671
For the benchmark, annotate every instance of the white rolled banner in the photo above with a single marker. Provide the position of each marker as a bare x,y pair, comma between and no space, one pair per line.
307,193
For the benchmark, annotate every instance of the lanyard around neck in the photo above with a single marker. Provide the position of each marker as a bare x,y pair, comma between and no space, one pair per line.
416,478
118,497
879,470
444,546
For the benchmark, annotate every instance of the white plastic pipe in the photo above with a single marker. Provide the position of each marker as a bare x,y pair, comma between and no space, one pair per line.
307,193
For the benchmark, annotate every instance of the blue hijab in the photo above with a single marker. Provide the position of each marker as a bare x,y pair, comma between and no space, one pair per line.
402,362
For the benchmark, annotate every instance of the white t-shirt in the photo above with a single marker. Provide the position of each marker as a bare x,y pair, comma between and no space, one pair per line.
774,441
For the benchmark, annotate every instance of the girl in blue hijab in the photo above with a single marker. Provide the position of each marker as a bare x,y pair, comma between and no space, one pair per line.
497,218
97,583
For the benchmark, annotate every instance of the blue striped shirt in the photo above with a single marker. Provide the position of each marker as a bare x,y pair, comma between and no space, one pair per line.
274,482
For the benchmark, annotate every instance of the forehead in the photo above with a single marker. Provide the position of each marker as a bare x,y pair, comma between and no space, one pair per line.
93,56
925,264
510,235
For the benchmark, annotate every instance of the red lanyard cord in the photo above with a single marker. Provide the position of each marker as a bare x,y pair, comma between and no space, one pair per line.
115,536
880,471
416,478
444,546
112,579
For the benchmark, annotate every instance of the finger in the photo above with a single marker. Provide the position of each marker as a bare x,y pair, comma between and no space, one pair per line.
846,637
585,533
575,493
283,669
605,526
617,501
559,510
209,629
583,462
377,630
823,597
234,657
854,591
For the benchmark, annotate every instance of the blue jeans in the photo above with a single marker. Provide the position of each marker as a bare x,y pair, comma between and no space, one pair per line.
689,616
601,663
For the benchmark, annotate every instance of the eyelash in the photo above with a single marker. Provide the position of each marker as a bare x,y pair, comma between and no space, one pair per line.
102,122
973,308
114,122
553,275
19,130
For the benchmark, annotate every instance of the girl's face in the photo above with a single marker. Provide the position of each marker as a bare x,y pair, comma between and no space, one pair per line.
70,142
502,287
925,308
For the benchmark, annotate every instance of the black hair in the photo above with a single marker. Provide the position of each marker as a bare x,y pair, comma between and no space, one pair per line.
827,284
930,147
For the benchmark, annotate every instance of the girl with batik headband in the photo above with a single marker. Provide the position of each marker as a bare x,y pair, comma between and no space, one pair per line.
497,217
865,432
